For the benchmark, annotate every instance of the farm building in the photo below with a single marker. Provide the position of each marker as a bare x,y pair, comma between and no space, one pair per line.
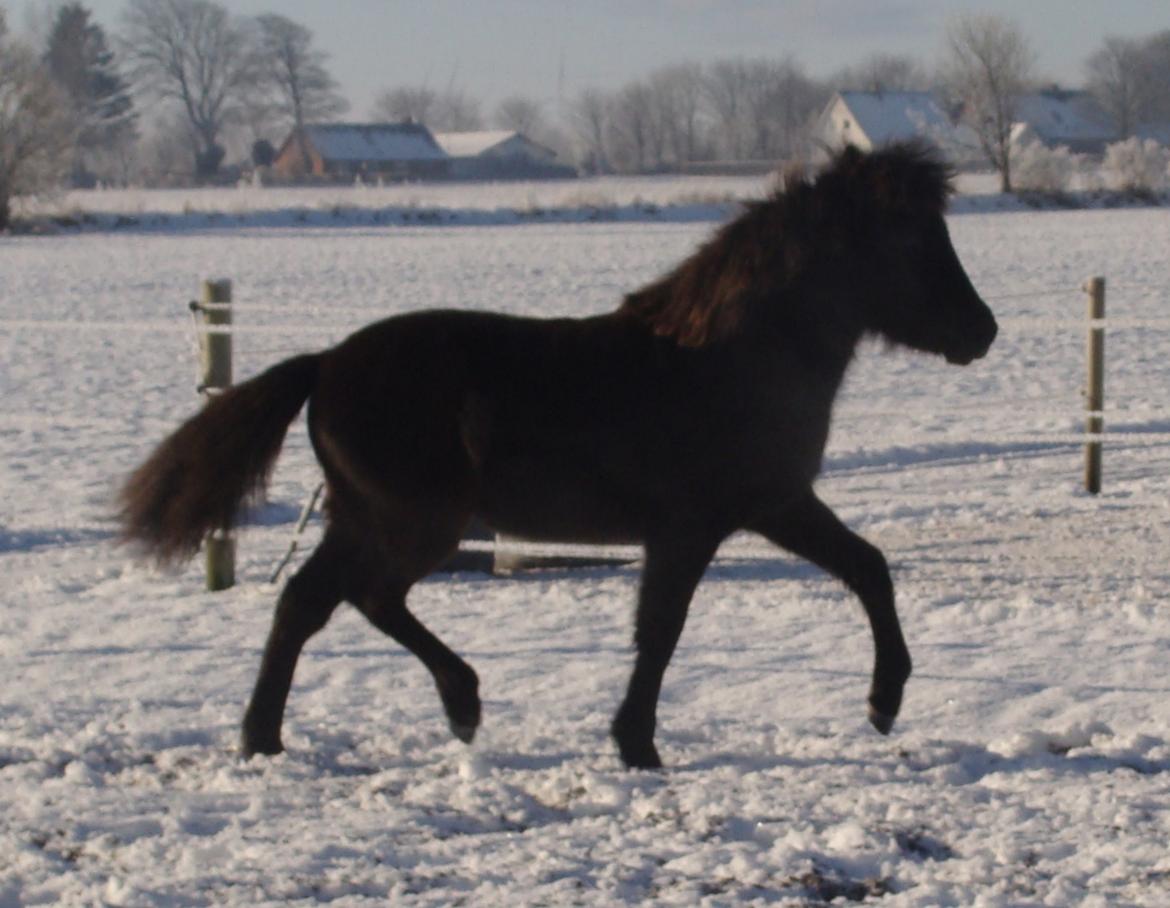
869,119
345,151
1056,117
499,154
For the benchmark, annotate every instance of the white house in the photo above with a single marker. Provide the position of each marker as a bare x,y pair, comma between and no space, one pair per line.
870,119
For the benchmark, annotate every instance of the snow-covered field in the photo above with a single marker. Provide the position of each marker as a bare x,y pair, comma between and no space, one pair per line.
1031,765
652,198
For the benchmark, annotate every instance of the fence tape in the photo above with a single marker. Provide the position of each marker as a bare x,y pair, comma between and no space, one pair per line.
323,331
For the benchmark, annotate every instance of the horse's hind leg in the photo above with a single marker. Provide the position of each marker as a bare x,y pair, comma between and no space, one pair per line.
809,529
305,606
456,680
672,570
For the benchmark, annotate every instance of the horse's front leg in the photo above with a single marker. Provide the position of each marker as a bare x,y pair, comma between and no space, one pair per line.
809,529
672,570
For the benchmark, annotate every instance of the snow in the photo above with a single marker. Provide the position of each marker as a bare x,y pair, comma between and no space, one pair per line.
430,202
1030,764
470,144
654,199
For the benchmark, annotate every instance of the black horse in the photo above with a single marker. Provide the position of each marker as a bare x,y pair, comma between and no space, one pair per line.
699,407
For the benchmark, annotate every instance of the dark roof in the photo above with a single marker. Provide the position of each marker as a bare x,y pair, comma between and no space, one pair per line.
356,142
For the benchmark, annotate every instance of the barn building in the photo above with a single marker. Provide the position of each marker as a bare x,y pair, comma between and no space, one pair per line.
499,154
346,151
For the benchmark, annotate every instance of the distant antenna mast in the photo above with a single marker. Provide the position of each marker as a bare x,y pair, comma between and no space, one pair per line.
561,87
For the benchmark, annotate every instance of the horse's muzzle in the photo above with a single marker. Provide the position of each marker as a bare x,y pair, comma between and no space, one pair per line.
975,343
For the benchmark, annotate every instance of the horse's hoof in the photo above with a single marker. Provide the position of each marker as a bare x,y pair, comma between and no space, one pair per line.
463,709
881,721
643,758
251,748
639,756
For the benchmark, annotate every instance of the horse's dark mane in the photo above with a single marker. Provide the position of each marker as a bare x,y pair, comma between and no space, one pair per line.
706,297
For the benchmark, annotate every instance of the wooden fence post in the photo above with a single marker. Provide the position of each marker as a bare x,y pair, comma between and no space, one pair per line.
1095,388
215,349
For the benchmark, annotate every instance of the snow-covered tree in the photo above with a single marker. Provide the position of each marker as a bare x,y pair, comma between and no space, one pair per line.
36,126
990,65
1039,168
1137,165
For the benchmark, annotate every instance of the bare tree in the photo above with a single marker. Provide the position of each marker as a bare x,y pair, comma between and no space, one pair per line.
990,65
678,97
450,111
36,127
587,119
1118,75
455,111
882,72
296,72
520,114
410,102
635,135
779,103
195,53
1156,75
726,89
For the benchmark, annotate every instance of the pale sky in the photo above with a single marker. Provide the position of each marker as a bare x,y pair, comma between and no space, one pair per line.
548,49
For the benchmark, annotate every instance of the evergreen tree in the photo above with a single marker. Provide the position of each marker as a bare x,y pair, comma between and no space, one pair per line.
80,61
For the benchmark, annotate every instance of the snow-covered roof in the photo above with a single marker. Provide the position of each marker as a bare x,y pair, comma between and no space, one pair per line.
889,116
470,144
1064,117
374,142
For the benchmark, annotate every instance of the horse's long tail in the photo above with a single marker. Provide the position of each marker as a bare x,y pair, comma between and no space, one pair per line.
198,478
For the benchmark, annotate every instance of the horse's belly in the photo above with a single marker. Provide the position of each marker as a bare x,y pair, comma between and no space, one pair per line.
542,505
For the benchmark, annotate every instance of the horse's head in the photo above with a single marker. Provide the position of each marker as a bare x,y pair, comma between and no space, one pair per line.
914,289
